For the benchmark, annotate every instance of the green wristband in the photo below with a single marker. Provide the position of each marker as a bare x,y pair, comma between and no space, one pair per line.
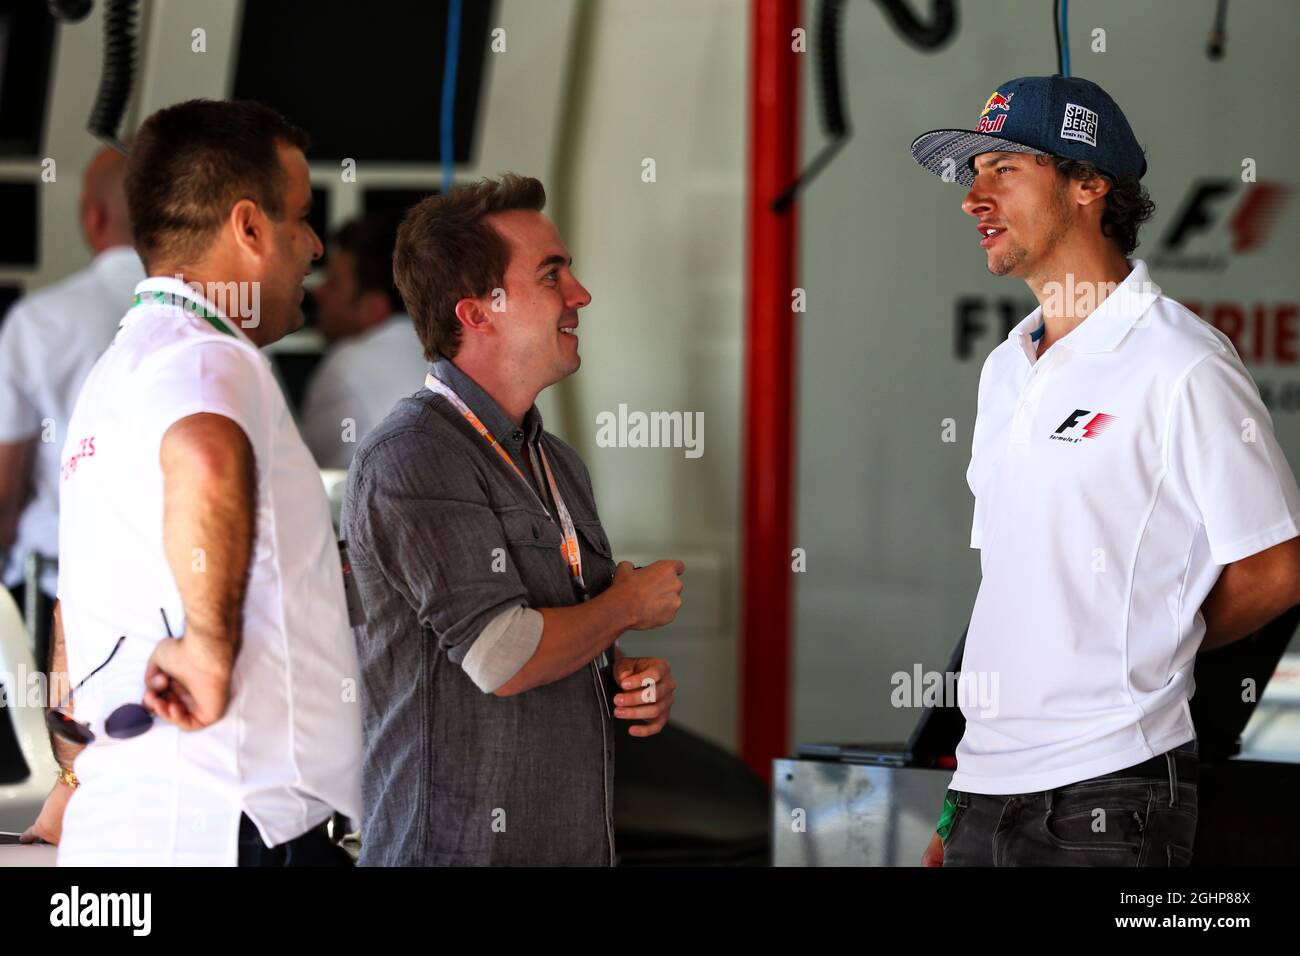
945,818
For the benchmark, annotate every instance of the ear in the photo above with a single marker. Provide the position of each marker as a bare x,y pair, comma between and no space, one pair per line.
92,217
249,228
472,316
1089,191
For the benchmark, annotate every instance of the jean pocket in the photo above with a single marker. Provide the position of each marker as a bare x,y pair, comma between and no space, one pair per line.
1178,856
1099,818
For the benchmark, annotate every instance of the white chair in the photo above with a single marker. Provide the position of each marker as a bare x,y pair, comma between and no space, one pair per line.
21,801
336,484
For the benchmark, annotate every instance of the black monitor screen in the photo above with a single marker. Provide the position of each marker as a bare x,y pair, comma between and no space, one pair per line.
393,202
20,236
366,87
26,41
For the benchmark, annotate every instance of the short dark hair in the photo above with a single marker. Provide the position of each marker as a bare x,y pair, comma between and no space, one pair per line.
1128,205
191,162
445,253
370,240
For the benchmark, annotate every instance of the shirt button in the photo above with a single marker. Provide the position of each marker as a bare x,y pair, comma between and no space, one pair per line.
517,435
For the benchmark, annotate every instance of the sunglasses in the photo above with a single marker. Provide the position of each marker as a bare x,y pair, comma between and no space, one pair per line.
129,720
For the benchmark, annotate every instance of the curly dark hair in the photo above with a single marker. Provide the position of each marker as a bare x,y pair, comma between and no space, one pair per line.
1128,205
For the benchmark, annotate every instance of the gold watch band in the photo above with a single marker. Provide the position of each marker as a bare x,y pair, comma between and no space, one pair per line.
68,777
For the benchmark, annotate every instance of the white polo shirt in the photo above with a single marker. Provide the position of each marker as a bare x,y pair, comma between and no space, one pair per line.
288,750
360,378
1114,477
48,343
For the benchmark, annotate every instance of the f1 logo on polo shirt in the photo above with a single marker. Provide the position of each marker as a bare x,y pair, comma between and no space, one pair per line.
1073,431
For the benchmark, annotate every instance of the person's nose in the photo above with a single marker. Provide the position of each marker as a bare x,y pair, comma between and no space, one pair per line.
317,247
977,202
579,297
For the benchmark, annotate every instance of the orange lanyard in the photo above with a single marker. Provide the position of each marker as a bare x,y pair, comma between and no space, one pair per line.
569,544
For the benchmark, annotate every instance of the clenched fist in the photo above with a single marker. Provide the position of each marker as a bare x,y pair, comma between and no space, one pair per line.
653,592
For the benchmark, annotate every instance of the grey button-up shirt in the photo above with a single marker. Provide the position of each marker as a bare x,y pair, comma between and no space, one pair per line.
444,538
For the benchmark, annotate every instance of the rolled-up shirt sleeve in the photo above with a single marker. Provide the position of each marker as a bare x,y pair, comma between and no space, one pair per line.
503,648
422,517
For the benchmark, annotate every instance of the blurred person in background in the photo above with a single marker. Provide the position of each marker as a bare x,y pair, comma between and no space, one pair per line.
48,342
374,354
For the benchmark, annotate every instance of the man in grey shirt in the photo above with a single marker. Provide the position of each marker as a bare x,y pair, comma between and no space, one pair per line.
491,681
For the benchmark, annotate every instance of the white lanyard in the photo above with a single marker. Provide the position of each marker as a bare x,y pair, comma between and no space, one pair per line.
569,546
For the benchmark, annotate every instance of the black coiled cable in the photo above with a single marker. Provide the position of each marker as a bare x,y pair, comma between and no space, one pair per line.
830,36
830,16
928,36
118,72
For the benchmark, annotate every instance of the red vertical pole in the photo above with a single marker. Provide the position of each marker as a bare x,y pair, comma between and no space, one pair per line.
768,452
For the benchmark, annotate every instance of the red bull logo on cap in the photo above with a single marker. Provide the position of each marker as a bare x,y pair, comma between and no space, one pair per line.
997,102
989,124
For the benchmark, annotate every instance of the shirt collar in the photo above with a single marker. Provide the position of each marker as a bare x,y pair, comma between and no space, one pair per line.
395,323
1027,333
169,285
117,257
483,405
1107,324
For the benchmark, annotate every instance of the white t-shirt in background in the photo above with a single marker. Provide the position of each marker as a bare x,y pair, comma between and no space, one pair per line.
361,379
48,343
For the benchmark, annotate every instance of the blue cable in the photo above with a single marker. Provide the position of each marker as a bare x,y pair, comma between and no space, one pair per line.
1065,37
449,96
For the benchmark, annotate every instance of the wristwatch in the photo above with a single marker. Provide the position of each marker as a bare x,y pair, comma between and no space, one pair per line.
68,777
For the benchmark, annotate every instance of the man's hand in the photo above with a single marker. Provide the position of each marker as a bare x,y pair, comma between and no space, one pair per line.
573,636
653,592
933,855
48,827
649,687
186,684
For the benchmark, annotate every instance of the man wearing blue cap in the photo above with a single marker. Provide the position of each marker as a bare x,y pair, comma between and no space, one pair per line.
1132,505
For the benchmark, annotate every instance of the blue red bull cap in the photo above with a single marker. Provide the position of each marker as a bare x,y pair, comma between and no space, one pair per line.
1065,116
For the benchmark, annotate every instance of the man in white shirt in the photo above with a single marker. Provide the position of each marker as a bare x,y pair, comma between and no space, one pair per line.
190,501
48,342
1132,505
374,353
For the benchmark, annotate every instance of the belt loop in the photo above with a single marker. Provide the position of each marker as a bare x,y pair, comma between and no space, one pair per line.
1173,778
1047,801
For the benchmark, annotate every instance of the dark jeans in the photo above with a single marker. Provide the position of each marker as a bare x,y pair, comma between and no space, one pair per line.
1111,820
313,848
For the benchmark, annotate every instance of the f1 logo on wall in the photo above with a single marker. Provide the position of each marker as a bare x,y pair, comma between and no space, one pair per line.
1074,429
1197,239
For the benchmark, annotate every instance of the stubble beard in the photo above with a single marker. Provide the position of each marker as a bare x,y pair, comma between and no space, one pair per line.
1016,256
